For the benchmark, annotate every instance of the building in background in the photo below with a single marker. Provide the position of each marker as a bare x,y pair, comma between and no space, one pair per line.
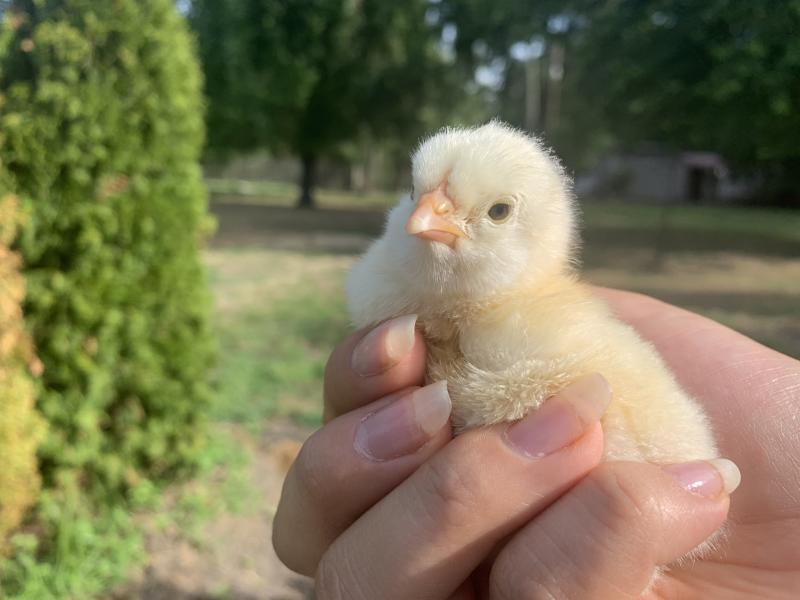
652,174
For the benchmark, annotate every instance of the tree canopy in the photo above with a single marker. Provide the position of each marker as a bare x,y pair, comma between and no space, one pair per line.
716,75
719,75
303,76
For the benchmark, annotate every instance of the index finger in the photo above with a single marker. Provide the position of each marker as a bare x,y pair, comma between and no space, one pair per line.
373,363
429,533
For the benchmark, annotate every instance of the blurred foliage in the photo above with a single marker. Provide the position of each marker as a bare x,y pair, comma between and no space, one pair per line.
84,552
322,77
90,551
273,353
21,427
102,130
305,77
722,75
488,28
718,75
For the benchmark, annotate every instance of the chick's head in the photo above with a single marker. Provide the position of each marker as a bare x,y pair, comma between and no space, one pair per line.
489,208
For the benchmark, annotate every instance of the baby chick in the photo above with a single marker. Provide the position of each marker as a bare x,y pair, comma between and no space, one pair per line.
483,253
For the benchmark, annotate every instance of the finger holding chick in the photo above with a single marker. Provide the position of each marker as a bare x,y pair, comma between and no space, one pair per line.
484,252
382,427
428,535
373,362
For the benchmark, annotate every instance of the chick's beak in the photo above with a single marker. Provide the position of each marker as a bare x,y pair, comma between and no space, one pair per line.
430,221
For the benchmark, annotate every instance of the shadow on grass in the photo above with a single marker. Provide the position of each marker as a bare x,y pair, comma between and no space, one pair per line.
323,231
343,231
600,239
754,303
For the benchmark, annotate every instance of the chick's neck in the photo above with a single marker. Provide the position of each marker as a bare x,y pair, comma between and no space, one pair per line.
444,320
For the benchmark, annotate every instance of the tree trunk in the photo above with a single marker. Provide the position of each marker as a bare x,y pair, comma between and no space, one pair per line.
307,177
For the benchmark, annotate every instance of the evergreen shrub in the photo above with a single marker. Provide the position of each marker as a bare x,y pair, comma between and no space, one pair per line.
21,427
102,120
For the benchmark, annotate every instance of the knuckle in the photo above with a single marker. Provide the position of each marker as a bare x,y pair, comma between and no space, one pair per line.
527,571
296,552
338,579
338,374
328,583
331,369
622,512
622,496
303,500
286,552
513,589
504,581
315,472
449,492
614,512
279,539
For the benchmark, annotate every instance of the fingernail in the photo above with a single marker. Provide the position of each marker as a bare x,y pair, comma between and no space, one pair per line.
405,425
562,419
707,478
384,346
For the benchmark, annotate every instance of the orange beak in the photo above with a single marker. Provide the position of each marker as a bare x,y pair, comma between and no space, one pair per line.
430,221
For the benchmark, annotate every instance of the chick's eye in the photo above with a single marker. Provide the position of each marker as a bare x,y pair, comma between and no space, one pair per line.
499,212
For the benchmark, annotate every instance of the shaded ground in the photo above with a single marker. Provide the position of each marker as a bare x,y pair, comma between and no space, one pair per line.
744,275
233,556
277,276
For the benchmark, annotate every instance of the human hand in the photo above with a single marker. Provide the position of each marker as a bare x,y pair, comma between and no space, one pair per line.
752,395
435,526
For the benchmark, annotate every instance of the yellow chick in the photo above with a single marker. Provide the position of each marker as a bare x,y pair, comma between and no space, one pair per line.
483,252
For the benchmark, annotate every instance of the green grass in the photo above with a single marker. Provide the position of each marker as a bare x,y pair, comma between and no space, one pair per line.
272,360
222,485
95,549
772,223
91,551
767,222
275,338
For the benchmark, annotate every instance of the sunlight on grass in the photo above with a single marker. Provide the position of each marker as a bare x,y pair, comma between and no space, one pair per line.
275,334
279,313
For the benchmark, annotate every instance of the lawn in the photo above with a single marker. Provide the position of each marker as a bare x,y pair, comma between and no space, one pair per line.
278,273
774,224
278,314
277,276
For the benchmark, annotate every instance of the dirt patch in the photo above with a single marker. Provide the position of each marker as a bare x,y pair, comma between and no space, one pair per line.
234,558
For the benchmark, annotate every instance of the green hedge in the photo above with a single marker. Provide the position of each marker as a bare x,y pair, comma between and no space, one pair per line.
21,427
102,119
